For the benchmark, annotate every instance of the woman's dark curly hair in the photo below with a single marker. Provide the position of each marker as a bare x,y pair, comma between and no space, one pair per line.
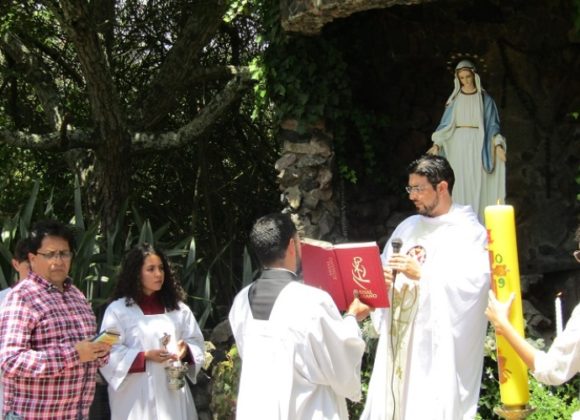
129,280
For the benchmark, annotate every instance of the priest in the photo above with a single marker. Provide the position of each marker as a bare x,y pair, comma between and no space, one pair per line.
429,357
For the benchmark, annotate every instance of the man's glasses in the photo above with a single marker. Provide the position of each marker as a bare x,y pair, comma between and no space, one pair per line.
63,255
415,189
577,255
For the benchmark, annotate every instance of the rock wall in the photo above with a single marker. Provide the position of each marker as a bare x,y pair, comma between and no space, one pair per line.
308,17
306,179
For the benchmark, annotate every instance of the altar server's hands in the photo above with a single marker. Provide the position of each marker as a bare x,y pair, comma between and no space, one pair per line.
159,355
182,349
497,312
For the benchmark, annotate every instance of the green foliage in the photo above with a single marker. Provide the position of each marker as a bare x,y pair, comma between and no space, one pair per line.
308,79
577,15
235,9
225,382
554,402
20,170
370,336
226,373
200,190
98,257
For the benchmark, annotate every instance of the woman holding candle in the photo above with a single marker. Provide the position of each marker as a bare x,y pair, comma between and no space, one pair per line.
561,362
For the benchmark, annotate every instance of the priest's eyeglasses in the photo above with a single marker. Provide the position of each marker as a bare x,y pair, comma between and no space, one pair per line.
53,255
415,189
577,255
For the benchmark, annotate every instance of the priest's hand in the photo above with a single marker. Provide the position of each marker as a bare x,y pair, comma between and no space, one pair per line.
405,264
388,274
497,312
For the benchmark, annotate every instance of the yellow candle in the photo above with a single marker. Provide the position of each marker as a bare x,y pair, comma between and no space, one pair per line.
503,253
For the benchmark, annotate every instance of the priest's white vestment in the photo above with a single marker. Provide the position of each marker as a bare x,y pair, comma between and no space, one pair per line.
299,364
145,395
429,357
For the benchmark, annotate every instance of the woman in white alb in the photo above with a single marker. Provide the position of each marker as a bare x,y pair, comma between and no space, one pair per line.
148,307
469,137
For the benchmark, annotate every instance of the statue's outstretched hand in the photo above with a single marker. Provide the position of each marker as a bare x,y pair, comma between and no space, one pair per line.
433,150
501,154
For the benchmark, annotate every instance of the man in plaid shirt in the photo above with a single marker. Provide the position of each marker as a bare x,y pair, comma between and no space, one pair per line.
46,356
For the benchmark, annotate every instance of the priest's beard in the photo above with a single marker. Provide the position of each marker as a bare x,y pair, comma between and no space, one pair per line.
428,209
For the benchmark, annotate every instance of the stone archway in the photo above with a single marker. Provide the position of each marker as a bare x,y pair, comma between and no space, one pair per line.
308,17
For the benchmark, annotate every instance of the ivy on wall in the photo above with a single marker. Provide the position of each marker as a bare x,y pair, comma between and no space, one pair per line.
307,79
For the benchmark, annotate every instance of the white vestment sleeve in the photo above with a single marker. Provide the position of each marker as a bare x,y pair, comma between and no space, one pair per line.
191,334
562,361
337,350
121,357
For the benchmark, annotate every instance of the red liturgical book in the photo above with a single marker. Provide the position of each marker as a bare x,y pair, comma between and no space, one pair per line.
341,269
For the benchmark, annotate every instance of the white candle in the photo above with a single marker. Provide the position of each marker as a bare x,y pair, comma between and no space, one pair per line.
558,305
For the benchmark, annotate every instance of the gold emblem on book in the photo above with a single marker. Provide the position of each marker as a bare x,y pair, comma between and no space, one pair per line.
359,272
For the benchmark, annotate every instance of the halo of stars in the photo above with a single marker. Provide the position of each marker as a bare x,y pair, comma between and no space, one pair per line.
477,60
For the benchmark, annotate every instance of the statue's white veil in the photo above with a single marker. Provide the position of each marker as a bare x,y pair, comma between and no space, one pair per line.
464,64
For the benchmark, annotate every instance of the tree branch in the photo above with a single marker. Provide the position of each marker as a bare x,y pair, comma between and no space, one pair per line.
54,142
56,56
175,72
33,67
201,123
203,75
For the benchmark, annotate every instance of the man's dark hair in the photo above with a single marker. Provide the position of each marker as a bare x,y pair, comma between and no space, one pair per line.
435,169
270,236
21,250
129,284
46,228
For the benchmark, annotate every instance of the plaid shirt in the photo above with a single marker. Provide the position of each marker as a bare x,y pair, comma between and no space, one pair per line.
43,375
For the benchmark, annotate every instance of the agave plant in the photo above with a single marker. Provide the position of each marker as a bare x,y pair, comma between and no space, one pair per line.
98,256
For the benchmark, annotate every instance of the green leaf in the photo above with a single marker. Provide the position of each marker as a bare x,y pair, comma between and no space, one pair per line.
247,276
79,218
26,217
146,234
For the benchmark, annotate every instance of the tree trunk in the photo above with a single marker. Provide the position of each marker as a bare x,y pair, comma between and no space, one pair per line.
114,142
113,170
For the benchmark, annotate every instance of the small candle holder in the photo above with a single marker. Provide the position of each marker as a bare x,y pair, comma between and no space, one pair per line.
175,370
176,375
514,411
